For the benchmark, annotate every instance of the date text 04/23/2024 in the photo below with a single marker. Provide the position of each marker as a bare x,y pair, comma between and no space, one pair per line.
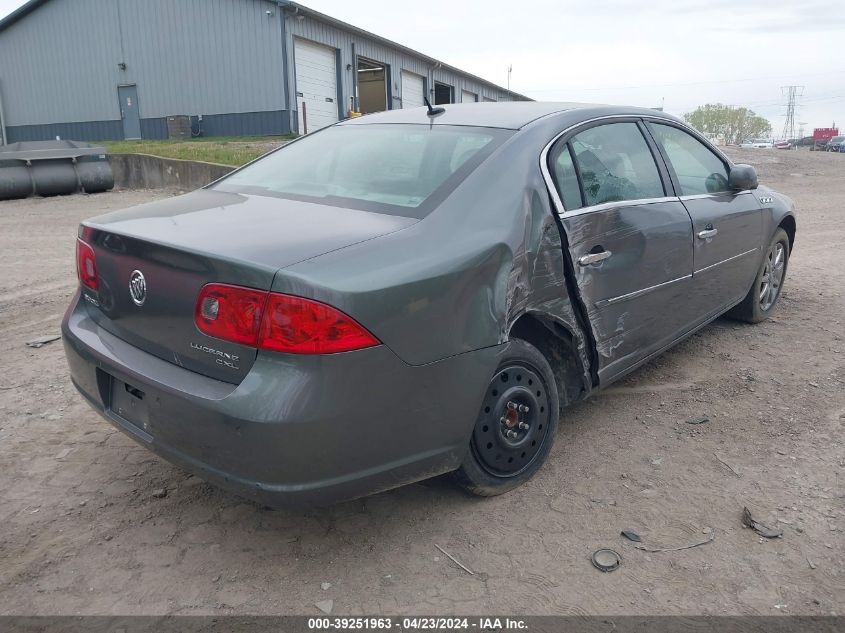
491,624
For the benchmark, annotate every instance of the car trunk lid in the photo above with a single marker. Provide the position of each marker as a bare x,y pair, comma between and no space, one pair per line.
153,260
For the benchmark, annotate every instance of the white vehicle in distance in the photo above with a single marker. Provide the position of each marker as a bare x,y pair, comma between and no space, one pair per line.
757,143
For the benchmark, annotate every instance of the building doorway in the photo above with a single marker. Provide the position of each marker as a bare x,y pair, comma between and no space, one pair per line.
372,86
443,93
315,69
129,111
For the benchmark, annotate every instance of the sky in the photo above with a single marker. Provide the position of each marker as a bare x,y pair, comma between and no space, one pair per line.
676,53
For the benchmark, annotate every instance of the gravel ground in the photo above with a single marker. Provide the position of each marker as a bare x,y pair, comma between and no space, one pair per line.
84,533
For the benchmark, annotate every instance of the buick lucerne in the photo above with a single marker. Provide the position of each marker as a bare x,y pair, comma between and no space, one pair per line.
415,292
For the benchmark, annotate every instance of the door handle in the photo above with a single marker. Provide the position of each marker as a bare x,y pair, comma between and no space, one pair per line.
593,258
707,233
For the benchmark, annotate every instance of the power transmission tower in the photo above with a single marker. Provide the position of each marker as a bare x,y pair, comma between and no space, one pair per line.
792,94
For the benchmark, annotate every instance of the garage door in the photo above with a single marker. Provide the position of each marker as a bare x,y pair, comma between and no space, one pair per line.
316,85
468,97
413,89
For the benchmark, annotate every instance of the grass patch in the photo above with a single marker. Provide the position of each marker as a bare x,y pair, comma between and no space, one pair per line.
225,150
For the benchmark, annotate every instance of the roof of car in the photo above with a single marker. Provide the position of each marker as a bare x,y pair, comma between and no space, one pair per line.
511,115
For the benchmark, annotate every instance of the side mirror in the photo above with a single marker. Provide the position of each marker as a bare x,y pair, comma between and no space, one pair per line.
742,177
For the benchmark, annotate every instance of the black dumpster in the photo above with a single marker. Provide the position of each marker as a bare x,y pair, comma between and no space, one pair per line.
50,168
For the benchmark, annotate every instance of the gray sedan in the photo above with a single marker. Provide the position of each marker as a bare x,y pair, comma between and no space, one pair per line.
414,293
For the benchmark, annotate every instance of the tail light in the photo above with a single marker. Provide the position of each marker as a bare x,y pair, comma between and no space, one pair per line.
86,265
302,326
230,312
277,322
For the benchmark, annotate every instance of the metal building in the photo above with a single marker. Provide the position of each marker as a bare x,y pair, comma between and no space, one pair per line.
115,69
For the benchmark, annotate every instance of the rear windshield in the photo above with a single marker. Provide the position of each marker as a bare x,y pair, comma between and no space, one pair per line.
397,169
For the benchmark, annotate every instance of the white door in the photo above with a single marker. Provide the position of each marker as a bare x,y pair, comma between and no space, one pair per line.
468,97
413,90
316,85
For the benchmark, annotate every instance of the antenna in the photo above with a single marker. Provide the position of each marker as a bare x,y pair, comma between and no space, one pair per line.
432,112
792,94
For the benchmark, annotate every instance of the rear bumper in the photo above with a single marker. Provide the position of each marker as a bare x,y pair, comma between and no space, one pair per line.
298,429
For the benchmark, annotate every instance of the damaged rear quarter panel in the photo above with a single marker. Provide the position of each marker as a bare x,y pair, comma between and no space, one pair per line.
459,279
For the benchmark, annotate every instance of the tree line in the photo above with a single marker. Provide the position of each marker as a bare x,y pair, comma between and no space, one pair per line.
733,124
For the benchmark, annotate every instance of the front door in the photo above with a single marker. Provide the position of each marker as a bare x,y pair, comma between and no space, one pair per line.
727,225
630,242
129,111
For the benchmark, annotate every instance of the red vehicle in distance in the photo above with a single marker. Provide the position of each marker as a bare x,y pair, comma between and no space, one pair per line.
821,137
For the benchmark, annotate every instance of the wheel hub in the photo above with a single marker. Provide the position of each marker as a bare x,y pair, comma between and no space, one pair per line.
511,417
515,421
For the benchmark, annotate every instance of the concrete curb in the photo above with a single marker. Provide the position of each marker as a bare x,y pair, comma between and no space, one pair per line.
144,171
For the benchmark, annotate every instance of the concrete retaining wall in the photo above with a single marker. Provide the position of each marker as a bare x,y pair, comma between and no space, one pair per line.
142,171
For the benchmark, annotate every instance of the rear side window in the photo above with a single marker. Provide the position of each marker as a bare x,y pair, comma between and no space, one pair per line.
616,164
697,169
395,169
566,180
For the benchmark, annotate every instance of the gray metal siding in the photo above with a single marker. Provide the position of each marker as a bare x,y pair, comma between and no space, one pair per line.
245,124
154,128
204,56
316,31
309,28
461,82
60,63
224,59
80,131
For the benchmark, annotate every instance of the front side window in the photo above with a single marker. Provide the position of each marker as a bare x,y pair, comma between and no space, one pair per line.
616,164
394,169
699,170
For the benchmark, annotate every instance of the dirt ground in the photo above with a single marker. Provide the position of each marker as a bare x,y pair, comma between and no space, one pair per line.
81,531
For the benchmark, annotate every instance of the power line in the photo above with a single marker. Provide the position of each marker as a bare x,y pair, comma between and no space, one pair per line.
780,103
609,88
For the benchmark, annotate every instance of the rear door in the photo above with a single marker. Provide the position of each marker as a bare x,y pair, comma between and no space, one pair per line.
727,225
629,239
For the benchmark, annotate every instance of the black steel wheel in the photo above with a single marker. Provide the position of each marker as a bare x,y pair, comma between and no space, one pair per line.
510,429
516,423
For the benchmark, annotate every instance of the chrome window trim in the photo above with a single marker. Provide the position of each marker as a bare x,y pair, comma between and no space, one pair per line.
725,261
550,183
639,293
715,194
617,204
697,136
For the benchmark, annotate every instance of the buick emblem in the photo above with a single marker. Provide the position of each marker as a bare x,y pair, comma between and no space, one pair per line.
137,287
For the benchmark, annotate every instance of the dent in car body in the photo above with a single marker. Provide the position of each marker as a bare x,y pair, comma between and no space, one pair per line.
457,280
442,294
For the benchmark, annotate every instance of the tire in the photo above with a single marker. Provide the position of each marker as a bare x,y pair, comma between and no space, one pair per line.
762,299
502,454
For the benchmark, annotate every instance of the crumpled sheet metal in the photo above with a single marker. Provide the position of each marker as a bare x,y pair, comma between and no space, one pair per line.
536,283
